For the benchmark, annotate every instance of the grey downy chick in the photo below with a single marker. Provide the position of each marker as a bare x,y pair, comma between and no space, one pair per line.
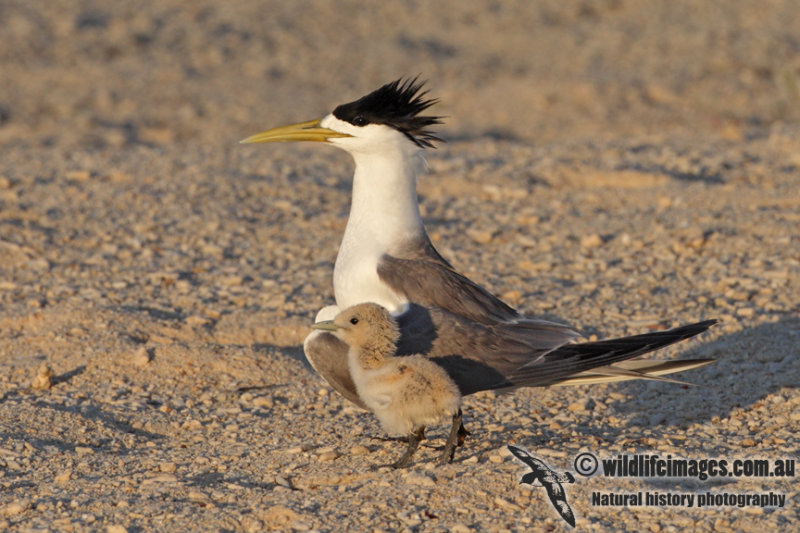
406,393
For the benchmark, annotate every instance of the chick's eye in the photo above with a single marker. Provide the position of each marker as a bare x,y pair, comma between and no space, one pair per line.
354,321
360,121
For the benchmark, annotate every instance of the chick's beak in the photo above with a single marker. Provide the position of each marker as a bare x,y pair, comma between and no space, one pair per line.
303,131
325,325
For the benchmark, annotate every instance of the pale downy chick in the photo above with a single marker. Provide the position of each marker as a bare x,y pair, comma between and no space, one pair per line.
405,393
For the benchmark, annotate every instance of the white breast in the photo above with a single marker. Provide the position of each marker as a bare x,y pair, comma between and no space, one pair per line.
383,212
355,277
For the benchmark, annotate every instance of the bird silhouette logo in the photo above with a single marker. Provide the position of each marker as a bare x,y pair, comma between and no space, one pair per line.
548,479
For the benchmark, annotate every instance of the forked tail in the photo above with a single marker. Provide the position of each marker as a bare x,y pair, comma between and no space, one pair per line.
606,361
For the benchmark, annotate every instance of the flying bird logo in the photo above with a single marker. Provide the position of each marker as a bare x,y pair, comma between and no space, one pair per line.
548,479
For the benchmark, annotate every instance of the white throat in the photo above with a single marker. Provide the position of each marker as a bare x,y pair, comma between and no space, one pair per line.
384,213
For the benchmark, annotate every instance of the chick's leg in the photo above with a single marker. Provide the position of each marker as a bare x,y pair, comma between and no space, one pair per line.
413,443
452,440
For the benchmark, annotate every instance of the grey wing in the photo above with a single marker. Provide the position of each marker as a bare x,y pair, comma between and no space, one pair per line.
417,271
477,356
328,355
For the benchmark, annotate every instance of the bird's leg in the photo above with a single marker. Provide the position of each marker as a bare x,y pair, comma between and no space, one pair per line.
462,434
450,446
413,443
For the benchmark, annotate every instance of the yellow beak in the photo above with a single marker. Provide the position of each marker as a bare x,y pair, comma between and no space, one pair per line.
304,131
326,325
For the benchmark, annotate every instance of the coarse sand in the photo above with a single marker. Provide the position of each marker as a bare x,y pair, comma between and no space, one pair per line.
616,165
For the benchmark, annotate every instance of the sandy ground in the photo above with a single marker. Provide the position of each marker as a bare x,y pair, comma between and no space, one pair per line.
617,165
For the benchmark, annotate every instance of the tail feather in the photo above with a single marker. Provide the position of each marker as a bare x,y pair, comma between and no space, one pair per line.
574,361
636,369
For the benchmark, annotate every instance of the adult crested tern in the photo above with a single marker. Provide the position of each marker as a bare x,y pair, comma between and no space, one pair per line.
406,393
387,258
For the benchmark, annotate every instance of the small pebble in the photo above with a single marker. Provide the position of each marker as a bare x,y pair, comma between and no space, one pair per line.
328,456
44,378
141,357
15,508
283,482
578,406
359,450
419,479
197,496
480,237
591,241
263,401
78,175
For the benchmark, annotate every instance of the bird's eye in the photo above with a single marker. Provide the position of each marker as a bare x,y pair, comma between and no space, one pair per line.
359,121
354,321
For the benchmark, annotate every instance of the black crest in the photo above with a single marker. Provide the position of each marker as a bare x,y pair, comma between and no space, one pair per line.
396,104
